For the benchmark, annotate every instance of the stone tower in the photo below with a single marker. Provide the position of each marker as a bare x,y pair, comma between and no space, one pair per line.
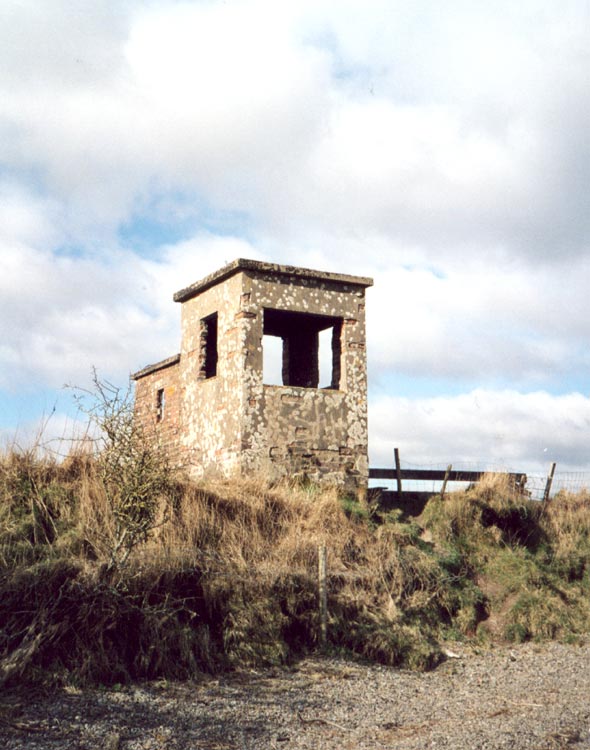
210,404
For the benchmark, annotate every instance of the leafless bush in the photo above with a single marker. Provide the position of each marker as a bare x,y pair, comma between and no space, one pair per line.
133,473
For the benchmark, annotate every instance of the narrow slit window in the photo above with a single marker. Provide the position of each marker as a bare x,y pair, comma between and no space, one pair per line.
160,404
209,347
301,349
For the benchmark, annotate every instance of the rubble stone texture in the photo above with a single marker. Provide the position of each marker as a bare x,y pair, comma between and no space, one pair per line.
209,405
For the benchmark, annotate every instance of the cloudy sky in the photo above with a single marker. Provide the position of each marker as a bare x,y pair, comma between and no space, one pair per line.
440,147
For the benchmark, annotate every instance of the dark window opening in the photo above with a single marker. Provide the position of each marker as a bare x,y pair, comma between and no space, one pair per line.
209,347
160,404
301,349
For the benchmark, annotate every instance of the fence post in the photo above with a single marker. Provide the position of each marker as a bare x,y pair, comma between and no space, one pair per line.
323,590
398,473
549,483
446,479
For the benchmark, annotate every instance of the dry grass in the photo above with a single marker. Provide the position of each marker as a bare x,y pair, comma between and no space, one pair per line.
228,574
566,521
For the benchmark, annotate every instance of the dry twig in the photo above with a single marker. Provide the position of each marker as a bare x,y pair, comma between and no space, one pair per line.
317,720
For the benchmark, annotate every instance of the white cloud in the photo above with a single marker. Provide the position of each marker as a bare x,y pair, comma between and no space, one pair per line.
207,96
27,218
185,262
61,315
463,124
517,431
481,323
441,148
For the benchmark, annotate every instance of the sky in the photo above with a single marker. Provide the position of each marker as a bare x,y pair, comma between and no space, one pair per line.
440,148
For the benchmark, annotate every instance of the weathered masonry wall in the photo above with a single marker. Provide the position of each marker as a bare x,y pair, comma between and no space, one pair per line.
298,429
220,416
213,406
158,404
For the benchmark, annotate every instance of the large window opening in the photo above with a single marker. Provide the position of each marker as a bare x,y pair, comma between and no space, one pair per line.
208,347
301,349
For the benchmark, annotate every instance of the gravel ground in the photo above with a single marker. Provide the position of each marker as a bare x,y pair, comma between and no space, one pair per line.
527,696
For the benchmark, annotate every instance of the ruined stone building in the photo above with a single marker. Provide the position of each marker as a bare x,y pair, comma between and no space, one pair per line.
210,405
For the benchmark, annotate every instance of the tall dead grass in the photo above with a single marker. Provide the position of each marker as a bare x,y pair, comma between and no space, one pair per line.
228,574
566,521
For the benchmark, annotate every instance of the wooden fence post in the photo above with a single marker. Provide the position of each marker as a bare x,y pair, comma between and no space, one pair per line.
549,483
445,480
398,473
323,590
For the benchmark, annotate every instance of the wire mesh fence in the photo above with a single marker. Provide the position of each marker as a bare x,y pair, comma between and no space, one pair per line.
539,485
567,481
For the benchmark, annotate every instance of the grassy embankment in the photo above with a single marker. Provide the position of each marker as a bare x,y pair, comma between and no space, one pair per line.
226,574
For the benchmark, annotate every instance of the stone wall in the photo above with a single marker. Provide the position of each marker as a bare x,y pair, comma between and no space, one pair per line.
212,416
158,402
290,429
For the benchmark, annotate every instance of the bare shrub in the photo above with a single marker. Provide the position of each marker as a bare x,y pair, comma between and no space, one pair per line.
130,471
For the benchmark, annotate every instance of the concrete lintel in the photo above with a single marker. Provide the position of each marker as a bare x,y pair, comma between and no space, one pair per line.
259,267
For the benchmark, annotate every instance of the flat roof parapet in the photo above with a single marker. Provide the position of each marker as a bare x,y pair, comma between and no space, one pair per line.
168,362
259,267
